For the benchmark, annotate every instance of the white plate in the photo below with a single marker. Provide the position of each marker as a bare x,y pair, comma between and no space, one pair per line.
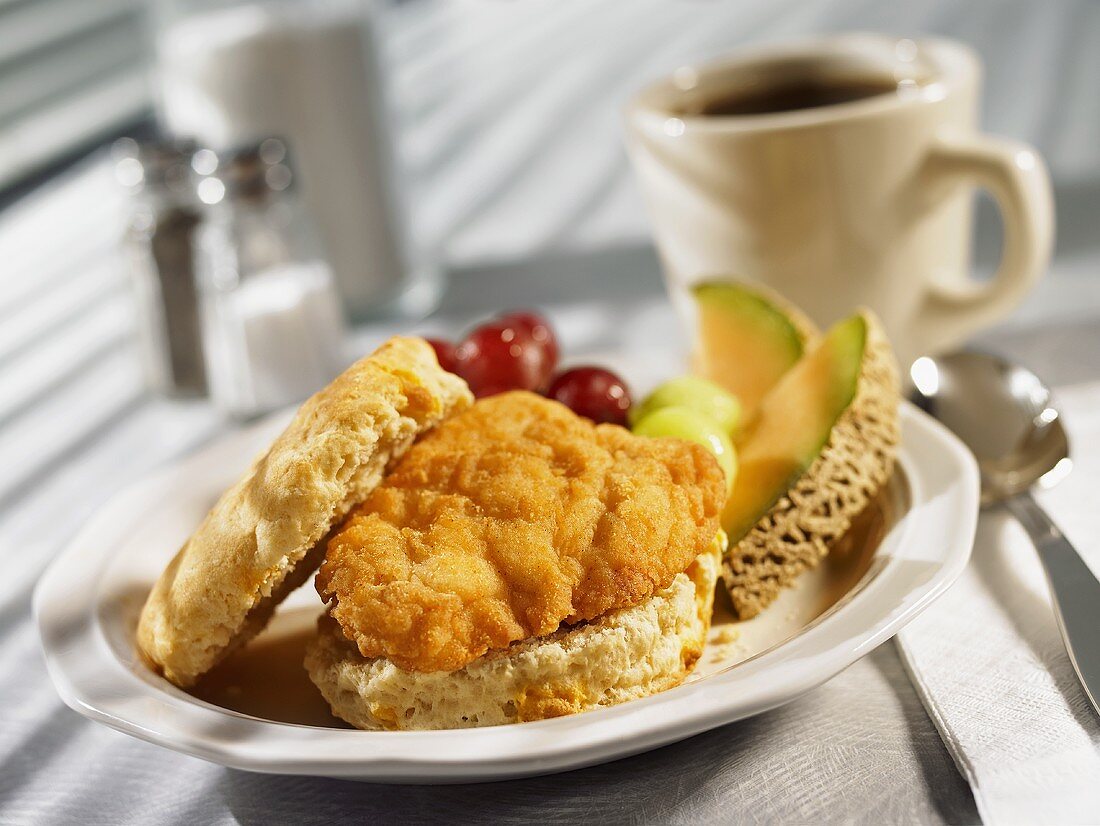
88,601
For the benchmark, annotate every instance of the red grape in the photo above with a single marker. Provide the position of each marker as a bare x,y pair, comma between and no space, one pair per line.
500,356
538,328
444,353
593,392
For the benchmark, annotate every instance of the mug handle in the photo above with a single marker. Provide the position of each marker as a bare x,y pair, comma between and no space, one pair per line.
1016,177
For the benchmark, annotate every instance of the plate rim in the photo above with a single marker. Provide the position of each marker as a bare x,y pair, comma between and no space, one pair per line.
92,680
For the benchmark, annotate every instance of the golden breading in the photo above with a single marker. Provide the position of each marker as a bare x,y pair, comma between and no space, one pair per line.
508,520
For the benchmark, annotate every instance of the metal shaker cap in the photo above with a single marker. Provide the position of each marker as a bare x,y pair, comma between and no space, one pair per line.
254,173
154,164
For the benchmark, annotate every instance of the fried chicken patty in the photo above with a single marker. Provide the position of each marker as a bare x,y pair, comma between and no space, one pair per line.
506,521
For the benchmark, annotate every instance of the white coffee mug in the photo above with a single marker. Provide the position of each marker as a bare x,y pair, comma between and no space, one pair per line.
865,202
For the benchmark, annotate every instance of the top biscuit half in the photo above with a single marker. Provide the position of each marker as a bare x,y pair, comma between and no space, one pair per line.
264,536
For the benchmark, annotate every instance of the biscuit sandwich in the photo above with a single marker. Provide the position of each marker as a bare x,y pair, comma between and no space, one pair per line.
518,563
482,564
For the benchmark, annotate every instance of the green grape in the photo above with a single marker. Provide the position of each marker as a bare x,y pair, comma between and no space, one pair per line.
696,393
684,423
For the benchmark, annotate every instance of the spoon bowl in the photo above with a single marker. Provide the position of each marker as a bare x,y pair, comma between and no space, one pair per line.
1004,414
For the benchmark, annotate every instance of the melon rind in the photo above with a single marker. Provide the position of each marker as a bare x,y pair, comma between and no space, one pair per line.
804,328
803,325
857,460
802,331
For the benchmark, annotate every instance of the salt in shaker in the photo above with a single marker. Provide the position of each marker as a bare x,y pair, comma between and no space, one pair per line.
273,322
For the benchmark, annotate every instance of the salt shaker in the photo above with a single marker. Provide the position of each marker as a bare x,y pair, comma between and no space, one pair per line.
273,322
158,245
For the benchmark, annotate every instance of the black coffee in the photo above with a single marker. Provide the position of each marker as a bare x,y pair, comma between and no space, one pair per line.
791,96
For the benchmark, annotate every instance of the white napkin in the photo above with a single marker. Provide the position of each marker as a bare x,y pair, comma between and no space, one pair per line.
989,664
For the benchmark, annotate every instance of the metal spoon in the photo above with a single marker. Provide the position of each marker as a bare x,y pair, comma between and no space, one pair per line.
1004,414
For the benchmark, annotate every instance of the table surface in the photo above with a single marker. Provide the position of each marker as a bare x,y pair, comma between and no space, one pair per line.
76,425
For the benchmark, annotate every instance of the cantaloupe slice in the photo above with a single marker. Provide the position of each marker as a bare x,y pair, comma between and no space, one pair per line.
822,445
746,339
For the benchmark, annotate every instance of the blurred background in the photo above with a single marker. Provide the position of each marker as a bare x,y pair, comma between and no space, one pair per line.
385,163
505,115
